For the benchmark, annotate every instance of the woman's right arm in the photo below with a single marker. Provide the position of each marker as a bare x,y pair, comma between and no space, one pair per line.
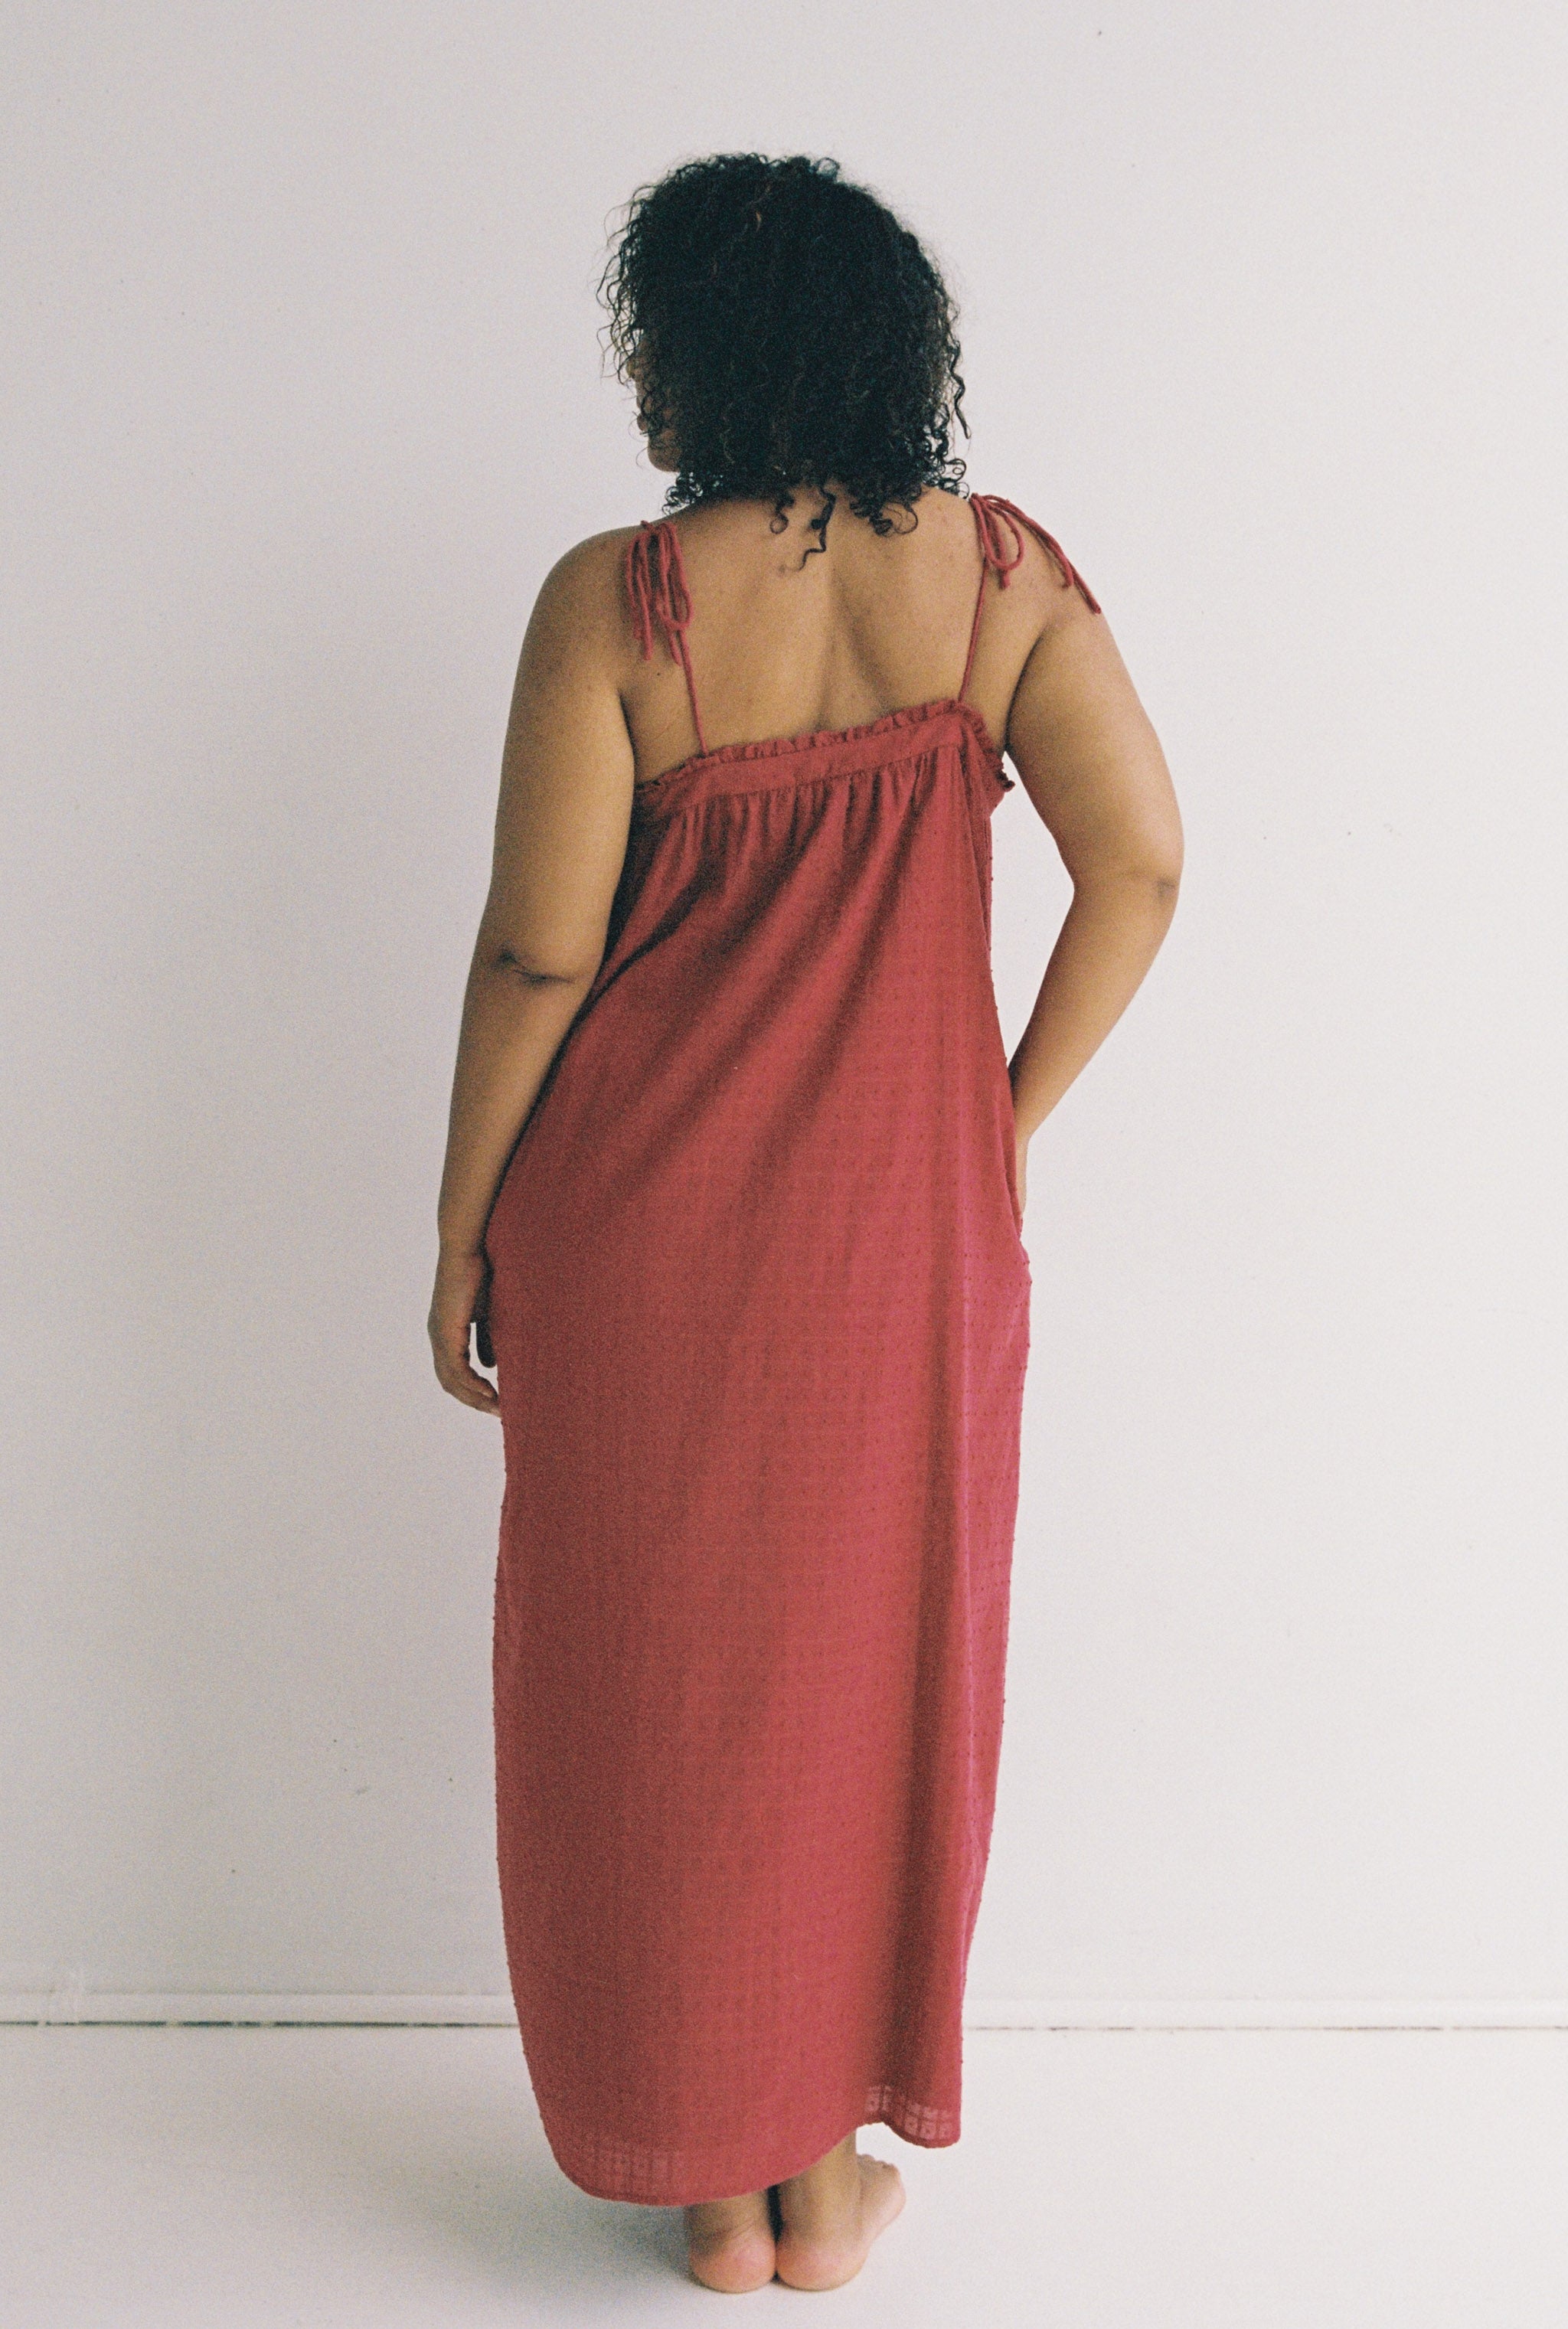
1091,764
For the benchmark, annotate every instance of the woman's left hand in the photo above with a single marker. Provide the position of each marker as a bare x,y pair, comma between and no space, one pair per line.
461,1300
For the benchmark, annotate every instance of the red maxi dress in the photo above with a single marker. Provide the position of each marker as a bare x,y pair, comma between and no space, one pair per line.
760,1307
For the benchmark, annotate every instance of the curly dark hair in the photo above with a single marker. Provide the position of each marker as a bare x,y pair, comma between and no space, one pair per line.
785,328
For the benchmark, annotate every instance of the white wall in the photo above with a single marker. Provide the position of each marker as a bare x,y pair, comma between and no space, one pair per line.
1261,317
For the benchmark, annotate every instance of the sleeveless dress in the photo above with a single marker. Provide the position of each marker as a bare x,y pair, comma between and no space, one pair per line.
760,1310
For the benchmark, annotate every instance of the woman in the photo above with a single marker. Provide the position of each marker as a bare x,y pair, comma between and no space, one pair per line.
734,1194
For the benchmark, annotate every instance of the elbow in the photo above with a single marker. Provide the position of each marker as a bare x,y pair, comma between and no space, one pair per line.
1143,855
1157,864
1159,876
531,968
1158,859
1164,881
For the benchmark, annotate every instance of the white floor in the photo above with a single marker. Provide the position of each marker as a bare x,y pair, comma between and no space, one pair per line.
379,2179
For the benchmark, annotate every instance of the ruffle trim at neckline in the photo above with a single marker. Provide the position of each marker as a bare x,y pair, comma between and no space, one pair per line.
768,748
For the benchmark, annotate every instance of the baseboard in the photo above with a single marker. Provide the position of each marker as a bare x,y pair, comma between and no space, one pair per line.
262,2008
253,2009
1267,2014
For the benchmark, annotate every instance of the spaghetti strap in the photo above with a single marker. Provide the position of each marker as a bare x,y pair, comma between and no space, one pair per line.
991,514
655,582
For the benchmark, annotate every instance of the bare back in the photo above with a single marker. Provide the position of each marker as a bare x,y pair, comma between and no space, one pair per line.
652,645
786,638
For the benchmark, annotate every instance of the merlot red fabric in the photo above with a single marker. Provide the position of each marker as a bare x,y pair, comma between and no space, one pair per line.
760,1307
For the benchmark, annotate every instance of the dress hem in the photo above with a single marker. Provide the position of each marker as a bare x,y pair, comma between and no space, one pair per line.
920,2124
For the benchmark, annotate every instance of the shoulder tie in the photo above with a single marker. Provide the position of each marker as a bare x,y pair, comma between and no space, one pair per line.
656,582
991,514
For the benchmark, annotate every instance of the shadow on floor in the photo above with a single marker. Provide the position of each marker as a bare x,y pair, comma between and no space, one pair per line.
460,2165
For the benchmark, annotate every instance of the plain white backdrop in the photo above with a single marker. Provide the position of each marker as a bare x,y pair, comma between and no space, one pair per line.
1261,316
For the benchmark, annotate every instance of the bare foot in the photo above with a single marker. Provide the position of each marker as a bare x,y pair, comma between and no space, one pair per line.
729,2243
832,2213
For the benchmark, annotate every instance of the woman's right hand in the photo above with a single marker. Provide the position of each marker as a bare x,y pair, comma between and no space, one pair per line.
461,1300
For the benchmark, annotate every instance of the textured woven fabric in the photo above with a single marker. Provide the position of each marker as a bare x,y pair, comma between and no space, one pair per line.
760,1307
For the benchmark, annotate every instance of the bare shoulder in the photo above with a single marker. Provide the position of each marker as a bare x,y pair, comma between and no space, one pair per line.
583,586
1032,588
579,631
1048,579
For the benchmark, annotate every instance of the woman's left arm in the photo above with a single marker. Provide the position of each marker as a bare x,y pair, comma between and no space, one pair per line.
560,832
